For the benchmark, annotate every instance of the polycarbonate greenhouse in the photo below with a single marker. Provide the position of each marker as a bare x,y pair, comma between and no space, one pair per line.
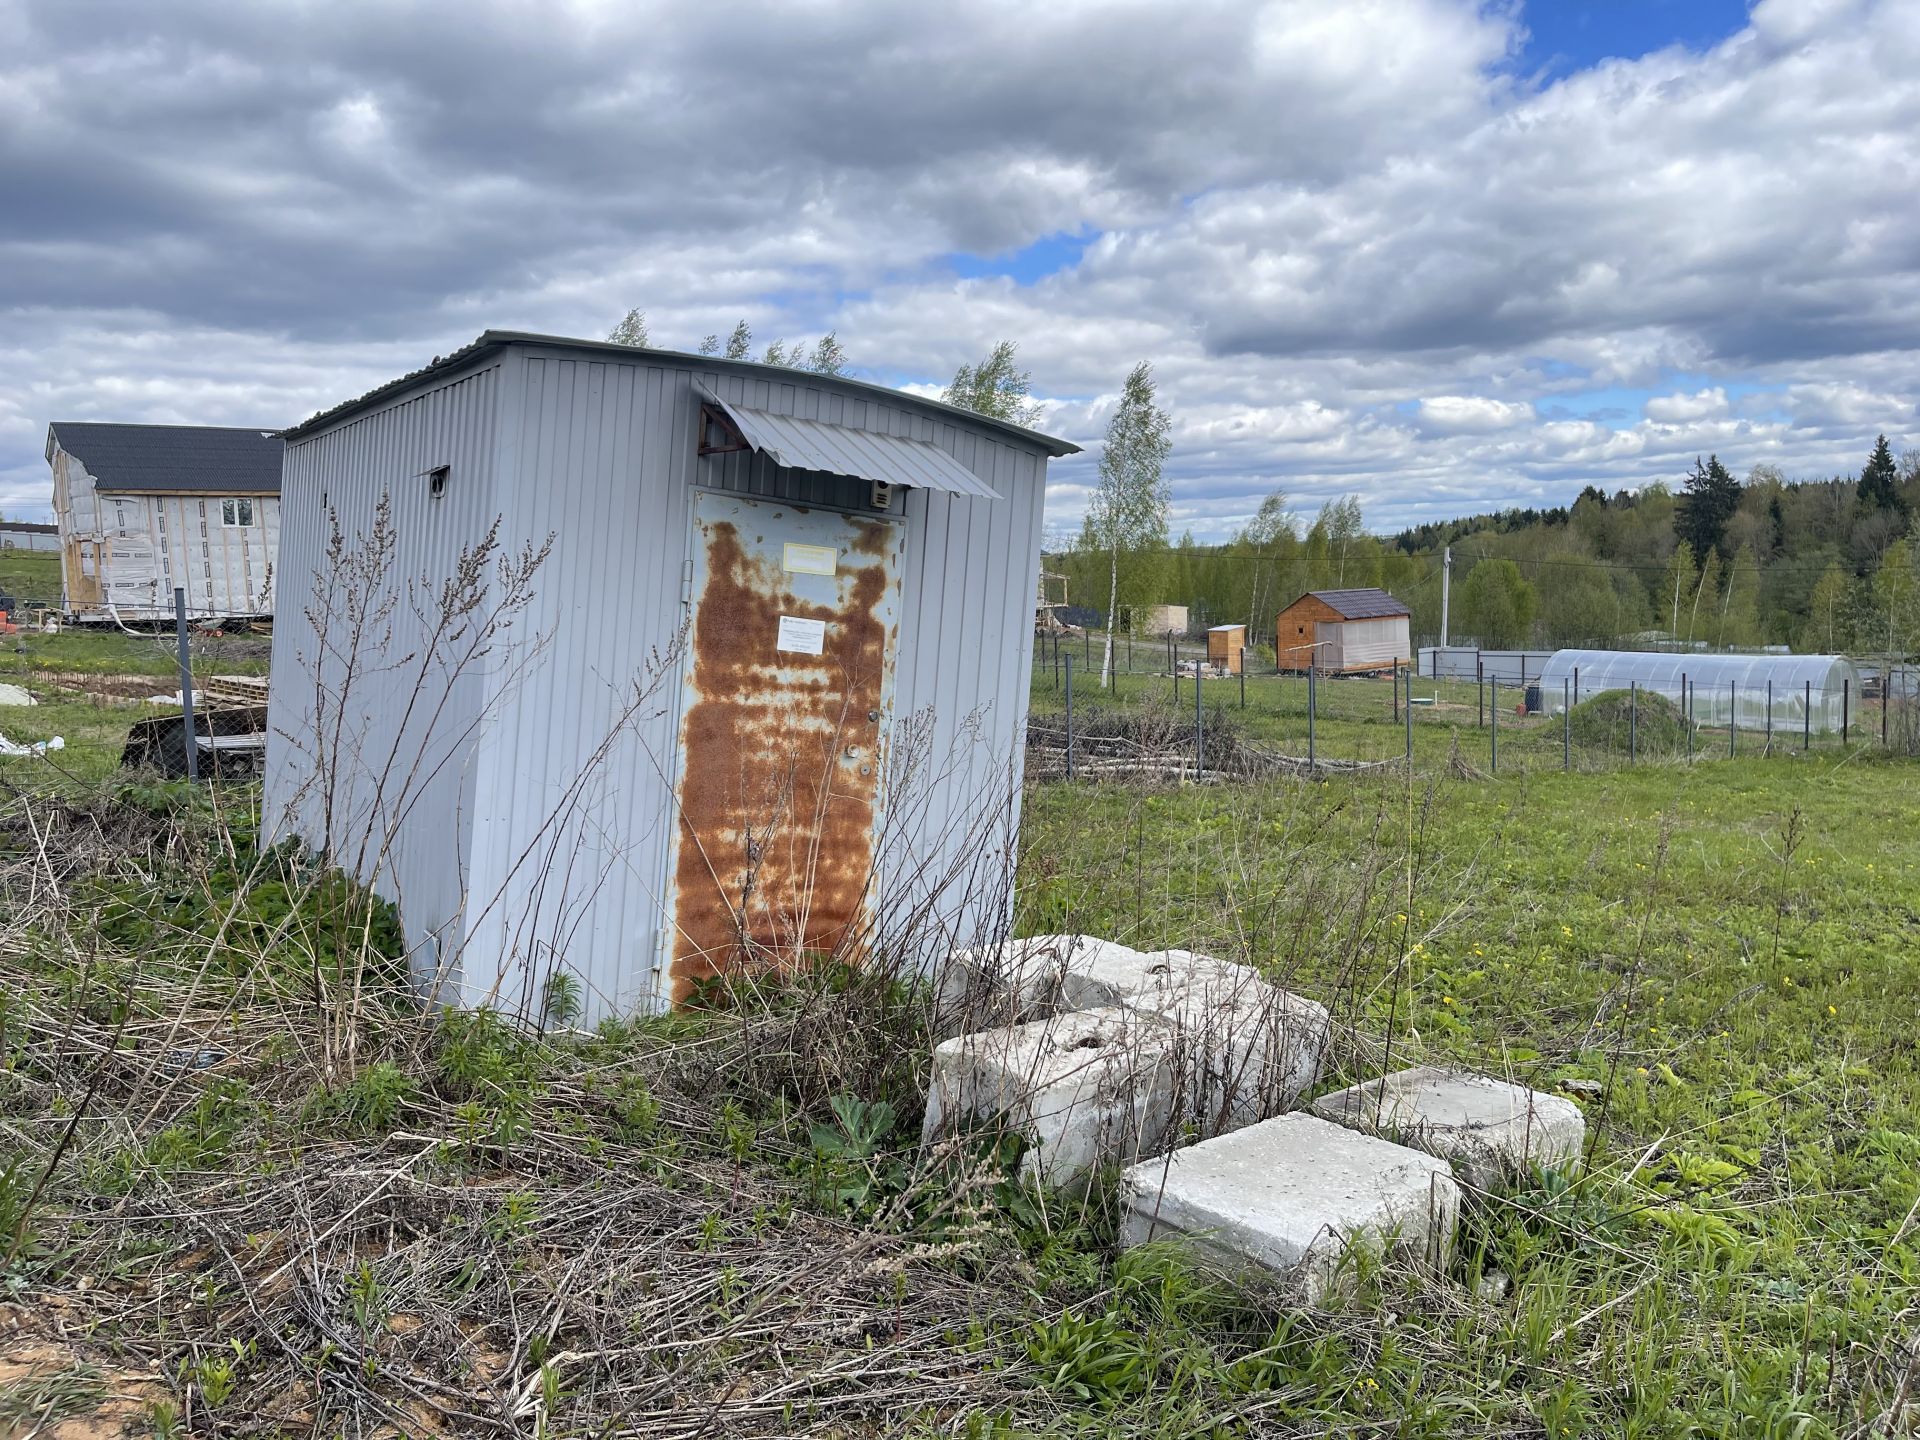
1761,692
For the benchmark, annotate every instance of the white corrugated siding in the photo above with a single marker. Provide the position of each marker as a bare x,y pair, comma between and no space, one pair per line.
570,817
407,824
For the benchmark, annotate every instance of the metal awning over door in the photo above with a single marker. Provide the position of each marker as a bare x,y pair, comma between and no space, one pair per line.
841,450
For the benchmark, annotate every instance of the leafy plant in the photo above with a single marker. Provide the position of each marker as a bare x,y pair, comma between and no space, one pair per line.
1093,1358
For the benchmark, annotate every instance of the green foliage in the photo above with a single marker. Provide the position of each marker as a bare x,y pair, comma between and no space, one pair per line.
851,1169
1496,605
632,330
1090,1358
1615,721
1712,497
1127,513
276,906
1879,481
370,1103
997,386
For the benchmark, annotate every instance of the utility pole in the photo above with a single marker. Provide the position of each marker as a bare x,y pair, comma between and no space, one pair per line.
1446,588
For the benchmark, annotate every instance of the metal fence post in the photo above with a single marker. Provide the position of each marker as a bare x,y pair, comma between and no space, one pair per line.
1243,679
1069,717
1576,684
1733,718
1566,725
187,736
1409,721
1312,674
1199,723
1846,709
1806,719
1886,702
1633,721
1480,694
1768,748
1686,714
1396,690
1493,709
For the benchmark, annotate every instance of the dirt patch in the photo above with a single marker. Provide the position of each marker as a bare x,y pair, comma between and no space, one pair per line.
50,1388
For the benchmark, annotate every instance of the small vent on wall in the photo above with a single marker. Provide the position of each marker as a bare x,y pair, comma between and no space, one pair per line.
437,481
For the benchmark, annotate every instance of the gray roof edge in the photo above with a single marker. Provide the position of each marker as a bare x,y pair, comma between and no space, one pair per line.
490,342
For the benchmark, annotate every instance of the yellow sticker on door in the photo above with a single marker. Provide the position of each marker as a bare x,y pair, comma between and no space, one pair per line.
808,560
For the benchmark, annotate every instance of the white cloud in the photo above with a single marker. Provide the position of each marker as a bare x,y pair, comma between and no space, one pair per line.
1470,414
1361,255
1678,409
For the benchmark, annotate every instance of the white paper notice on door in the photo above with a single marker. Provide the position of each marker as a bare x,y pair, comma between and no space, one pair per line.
803,637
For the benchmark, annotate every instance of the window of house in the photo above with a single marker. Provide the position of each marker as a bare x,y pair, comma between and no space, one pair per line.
236,512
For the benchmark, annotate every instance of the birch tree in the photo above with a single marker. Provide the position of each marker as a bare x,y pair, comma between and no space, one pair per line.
997,386
632,330
1271,524
1129,507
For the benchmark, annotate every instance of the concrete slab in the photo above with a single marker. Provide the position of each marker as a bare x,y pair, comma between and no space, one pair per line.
1086,1088
1294,1195
1021,980
1487,1127
1245,1049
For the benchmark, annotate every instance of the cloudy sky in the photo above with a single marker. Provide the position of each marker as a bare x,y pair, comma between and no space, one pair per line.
1447,256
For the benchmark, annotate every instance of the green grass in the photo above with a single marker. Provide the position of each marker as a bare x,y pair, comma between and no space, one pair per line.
91,684
1728,949
31,576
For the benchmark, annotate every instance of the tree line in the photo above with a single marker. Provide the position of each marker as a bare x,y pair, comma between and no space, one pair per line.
1824,565
1820,565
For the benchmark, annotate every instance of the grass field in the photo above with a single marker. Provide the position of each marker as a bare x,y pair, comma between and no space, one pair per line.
1728,950
279,1198
31,576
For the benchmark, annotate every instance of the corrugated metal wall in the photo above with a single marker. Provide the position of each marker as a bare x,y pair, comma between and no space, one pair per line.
382,769
568,803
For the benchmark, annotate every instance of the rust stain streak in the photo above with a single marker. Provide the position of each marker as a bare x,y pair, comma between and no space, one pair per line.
782,763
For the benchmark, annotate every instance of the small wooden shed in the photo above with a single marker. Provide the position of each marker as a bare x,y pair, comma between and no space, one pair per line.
1227,648
1343,632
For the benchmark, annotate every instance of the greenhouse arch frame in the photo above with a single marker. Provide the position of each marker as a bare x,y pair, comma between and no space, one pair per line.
1758,692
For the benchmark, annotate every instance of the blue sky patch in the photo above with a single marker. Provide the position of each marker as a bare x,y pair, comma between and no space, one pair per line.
1046,256
1569,35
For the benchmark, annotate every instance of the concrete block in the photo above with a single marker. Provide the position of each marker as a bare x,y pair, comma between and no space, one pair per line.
1294,1195
1021,980
1085,1088
1245,1049
1486,1127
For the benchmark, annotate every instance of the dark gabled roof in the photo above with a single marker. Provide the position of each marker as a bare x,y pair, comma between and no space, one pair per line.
1366,604
222,459
492,342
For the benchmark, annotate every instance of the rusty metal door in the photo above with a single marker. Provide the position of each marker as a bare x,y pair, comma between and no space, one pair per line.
788,688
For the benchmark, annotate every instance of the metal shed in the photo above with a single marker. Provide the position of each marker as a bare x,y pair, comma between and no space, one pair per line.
764,697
